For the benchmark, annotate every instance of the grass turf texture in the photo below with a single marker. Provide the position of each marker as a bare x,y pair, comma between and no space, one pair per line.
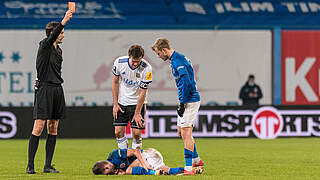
247,158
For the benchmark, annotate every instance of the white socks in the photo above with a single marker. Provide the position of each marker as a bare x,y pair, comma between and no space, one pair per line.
123,143
188,168
196,160
137,144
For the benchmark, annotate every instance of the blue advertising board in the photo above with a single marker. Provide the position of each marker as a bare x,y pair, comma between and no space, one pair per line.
163,13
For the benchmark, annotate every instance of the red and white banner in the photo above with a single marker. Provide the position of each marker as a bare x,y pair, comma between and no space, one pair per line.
300,68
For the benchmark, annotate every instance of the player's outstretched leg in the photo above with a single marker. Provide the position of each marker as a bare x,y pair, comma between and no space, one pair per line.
175,171
142,171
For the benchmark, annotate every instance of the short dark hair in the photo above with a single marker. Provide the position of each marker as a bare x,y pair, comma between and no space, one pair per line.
251,76
98,168
50,27
136,51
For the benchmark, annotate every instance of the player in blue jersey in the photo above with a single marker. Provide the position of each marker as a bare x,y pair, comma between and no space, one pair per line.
136,162
189,98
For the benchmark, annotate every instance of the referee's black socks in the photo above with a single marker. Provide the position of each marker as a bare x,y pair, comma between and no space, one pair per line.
50,146
33,146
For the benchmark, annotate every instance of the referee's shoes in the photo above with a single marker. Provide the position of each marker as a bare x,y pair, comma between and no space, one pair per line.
30,170
50,169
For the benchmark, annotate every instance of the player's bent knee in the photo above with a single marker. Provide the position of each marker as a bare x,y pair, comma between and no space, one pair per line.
38,127
53,132
119,133
186,135
52,127
37,131
137,137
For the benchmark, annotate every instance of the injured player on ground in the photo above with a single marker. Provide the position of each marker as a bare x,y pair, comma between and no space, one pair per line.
137,162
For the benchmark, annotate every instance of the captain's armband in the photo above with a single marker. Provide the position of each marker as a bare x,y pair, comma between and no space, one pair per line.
144,85
114,71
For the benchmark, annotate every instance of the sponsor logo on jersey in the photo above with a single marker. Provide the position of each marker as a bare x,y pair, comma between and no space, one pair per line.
138,75
131,82
149,76
122,165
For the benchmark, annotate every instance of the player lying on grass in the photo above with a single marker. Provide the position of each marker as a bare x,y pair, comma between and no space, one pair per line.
136,162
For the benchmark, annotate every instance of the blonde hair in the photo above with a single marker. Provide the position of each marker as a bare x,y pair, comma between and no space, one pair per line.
160,44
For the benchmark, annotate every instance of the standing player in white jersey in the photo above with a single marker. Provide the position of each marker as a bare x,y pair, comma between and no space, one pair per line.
132,76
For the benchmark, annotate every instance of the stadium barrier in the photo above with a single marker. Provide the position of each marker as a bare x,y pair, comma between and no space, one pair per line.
264,122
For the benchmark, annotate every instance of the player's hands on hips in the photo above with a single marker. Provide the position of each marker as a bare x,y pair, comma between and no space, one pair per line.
138,119
66,18
116,108
181,109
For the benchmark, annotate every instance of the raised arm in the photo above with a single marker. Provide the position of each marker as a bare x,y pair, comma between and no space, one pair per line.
56,32
66,18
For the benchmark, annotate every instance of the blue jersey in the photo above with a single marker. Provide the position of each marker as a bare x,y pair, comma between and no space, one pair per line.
184,76
120,160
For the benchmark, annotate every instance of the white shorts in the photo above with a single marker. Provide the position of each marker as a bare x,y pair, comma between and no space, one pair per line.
153,158
190,115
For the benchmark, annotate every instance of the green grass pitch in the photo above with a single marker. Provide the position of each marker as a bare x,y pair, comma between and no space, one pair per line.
238,158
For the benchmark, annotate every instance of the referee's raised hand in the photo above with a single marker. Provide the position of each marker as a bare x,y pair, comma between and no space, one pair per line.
66,18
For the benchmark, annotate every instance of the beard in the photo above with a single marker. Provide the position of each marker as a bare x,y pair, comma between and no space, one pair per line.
165,58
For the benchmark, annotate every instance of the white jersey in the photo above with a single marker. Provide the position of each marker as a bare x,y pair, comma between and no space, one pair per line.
153,158
131,79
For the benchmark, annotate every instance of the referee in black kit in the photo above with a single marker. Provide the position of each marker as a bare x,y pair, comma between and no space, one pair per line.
49,102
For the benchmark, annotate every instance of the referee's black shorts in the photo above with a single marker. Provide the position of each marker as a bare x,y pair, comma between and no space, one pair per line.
49,102
127,115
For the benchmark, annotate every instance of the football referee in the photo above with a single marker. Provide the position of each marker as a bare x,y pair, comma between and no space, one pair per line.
49,105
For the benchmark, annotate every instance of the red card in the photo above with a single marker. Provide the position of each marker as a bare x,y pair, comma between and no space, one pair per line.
72,7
